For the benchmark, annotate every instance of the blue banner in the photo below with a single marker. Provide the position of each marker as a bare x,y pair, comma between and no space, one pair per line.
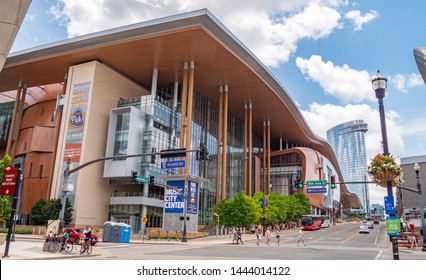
389,205
192,203
174,202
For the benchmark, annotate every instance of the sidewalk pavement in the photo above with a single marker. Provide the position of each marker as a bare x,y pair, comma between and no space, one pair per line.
30,247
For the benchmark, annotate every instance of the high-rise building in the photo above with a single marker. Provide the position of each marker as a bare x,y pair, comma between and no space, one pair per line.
348,142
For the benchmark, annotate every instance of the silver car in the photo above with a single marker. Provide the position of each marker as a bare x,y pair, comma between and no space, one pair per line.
363,229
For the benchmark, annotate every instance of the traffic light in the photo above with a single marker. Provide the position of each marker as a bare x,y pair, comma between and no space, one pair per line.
333,182
134,174
202,153
153,151
151,181
298,183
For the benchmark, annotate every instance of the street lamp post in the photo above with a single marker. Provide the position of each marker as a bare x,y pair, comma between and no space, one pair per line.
422,210
185,196
379,85
67,187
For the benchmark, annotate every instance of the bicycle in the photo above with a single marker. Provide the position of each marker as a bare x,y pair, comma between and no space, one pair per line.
86,246
54,247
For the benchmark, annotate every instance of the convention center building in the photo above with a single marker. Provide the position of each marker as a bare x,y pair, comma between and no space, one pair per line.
172,84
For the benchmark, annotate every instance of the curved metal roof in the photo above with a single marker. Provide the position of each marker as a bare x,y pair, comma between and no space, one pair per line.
166,44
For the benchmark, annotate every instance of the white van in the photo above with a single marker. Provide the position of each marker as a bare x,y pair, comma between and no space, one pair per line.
325,224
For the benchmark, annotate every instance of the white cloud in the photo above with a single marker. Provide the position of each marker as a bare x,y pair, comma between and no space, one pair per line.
359,20
342,82
402,82
322,117
278,25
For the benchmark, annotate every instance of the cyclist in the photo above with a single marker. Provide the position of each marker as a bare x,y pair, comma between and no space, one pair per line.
87,234
65,236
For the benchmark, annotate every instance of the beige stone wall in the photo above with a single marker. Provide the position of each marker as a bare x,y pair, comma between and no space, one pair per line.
12,14
92,191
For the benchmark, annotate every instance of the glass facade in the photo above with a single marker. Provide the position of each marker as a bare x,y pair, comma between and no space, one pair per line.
161,132
6,113
348,143
284,170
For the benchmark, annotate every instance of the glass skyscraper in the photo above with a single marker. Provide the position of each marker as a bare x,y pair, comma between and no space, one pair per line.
348,142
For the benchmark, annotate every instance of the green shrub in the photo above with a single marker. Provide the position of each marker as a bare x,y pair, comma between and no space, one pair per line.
18,231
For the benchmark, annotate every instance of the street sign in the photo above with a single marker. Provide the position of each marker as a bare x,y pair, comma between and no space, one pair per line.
389,205
393,226
316,190
144,219
316,183
141,179
173,164
8,183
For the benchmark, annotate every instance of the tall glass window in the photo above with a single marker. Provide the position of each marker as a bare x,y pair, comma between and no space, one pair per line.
121,134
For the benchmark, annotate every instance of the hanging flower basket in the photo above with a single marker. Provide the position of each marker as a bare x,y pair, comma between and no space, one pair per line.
386,175
383,168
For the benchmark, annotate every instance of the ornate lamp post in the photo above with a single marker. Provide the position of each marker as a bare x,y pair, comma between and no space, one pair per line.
422,211
379,84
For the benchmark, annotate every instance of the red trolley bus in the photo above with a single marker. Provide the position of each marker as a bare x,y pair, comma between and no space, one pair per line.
311,222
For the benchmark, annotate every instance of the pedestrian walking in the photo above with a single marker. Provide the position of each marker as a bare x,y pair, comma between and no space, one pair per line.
239,236
277,235
268,235
258,236
235,236
300,234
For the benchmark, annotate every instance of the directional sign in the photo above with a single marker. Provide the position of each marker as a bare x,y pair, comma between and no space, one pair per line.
173,164
8,183
316,183
316,190
141,179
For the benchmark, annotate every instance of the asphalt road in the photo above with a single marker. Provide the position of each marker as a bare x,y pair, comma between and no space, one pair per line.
341,242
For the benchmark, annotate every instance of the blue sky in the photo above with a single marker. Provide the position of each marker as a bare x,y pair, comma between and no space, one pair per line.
323,52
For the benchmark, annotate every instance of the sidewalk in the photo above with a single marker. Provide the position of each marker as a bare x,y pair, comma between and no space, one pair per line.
30,247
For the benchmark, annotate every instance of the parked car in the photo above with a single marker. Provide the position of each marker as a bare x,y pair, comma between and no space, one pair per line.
364,229
75,236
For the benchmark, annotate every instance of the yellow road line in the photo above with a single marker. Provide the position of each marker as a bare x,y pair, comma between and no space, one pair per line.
349,238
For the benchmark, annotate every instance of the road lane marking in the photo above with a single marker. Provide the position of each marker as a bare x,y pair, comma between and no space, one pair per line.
349,238
378,255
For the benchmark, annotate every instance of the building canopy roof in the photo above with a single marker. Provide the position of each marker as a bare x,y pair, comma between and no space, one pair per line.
166,44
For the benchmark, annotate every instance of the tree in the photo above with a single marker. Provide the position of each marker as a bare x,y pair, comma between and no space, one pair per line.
5,205
300,205
241,211
43,211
